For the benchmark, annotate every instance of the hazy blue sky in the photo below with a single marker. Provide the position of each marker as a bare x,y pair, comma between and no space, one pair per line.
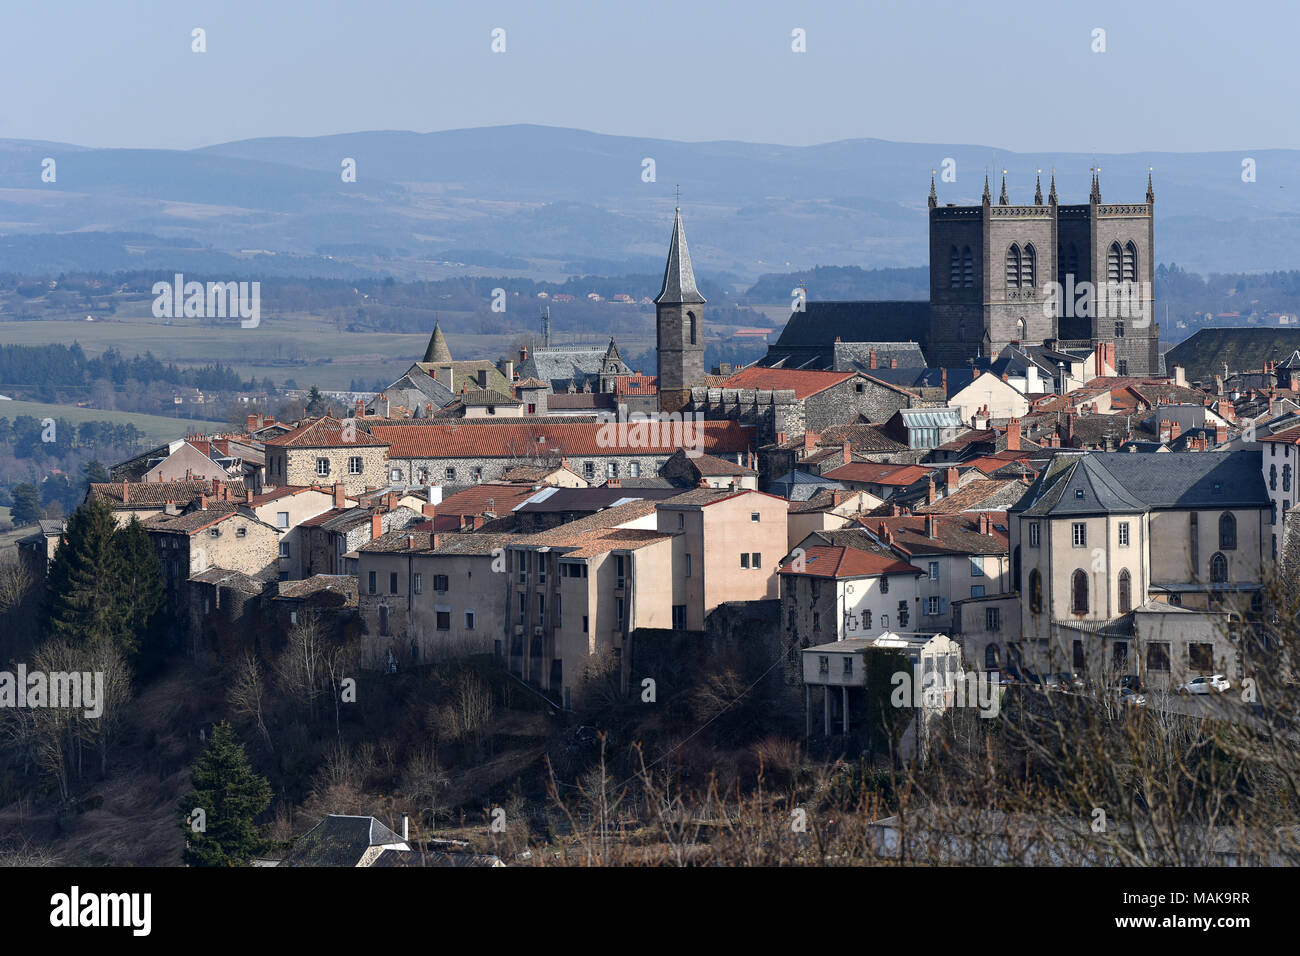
1017,75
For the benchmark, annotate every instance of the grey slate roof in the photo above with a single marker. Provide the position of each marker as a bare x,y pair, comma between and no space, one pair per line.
856,356
1126,483
808,339
800,485
339,841
679,276
560,366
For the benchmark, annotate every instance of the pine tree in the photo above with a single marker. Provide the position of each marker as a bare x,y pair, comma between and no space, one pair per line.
231,796
141,593
84,603
94,472
315,403
27,503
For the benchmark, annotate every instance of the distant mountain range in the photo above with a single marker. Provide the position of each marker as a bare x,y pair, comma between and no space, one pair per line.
547,202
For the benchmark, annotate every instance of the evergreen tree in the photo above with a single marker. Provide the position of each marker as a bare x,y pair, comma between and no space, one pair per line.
231,797
94,472
84,603
141,593
315,403
27,503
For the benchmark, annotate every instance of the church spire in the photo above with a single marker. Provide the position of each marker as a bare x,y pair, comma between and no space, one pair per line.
437,350
1151,193
1095,195
934,199
1038,188
1002,197
679,277
987,197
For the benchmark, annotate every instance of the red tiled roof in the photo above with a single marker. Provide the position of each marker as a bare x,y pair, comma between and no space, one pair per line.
1288,436
636,385
877,473
466,440
324,432
804,382
827,561
498,499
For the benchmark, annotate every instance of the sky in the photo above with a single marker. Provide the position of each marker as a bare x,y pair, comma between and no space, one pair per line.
1020,76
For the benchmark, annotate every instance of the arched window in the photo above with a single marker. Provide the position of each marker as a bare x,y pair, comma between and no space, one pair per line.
1218,569
1035,592
1020,329
1013,266
1286,477
690,328
1130,262
1125,592
1028,266
991,657
1113,263
1227,532
1079,593
954,270
1272,477
967,268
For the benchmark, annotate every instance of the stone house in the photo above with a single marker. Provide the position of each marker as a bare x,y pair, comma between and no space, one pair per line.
327,450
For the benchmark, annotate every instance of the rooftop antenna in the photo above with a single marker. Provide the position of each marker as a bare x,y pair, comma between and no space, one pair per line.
679,195
546,327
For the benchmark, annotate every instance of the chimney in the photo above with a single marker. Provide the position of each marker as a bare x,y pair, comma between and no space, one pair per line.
780,438
1006,377
359,409
984,523
376,525
893,363
893,509
406,821
931,527
203,502
252,423
943,380
1180,375
614,483
410,542
951,480
1069,426
1175,430
433,541
810,440
871,359
508,370
523,354
930,496
1013,435
338,494
704,482
390,501
216,489
848,452
1270,406
126,492
430,510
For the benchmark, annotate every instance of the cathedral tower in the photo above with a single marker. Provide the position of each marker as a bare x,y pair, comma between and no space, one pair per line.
679,314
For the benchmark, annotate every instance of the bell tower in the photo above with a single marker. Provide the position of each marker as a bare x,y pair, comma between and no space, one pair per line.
679,315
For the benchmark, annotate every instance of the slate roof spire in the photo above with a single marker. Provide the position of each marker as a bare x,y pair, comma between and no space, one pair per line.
679,277
1051,193
437,350
987,198
934,199
1151,194
1095,195
1038,189
1002,198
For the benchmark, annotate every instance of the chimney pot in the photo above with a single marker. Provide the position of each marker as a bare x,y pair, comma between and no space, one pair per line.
376,525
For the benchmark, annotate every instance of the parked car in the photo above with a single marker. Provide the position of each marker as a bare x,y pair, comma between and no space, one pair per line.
1133,682
1129,697
1214,684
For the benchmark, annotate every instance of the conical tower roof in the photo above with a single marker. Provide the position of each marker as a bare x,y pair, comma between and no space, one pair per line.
679,277
437,351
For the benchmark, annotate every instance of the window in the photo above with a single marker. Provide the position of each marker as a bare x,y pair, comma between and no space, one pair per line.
1200,657
967,268
1218,569
1125,592
282,519
690,328
1227,532
934,570
322,467
541,609
589,470
992,622
1028,262
954,269
866,620
442,620
417,583
977,590
1079,532
1119,328
634,469
559,621
823,664
1286,477
902,614
354,466
1123,534
754,516
848,666
441,582
214,532
618,573
756,560
392,582
1121,367
1033,534
1079,593
523,607
679,617
284,549
241,532
584,624
469,620
1013,266
1113,263
991,656
884,584
618,608
932,605
1130,266
611,470
744,559
817,621
1157,656
688,565
449,474
370,583
977,566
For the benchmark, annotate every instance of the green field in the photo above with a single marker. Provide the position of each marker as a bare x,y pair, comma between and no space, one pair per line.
157,428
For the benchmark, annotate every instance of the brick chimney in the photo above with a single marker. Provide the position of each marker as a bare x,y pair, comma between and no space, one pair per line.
523,354
930,496
376,525
614,483
871,359
338,495
810,440
430,510
848,452
951,479
203,502
433,541
252,423
984,523
390,501
216,489
1013,435
893,363
1175,430
931,527
359,409
1220,434
410,542
780,438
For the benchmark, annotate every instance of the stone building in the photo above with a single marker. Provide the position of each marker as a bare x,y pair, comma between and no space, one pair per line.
327,450
679,316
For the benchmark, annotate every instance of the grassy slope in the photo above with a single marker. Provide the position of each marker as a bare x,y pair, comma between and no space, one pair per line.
158,428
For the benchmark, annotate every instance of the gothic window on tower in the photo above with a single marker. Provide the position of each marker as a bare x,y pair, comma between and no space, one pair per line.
967,268
690,328
1028,262
1013,267
954,270
1130,262
1119,328
1113,262
1020,329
